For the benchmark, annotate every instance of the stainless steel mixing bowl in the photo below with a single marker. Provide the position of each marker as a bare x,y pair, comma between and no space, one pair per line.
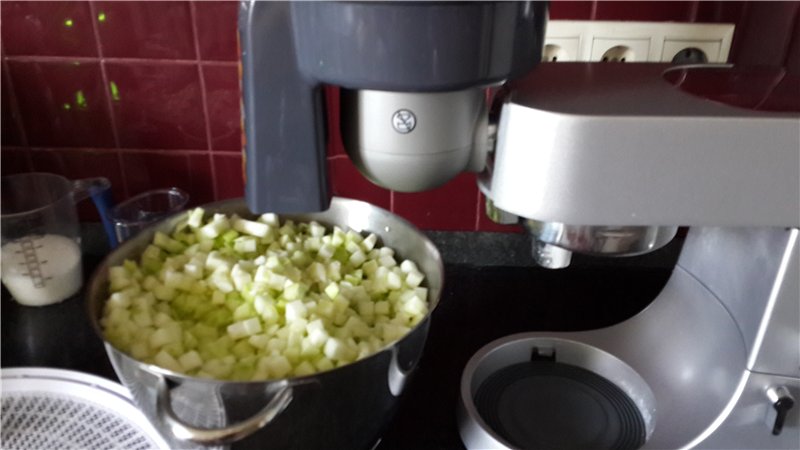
347,407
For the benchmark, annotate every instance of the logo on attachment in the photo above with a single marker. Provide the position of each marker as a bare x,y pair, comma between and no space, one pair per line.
404,121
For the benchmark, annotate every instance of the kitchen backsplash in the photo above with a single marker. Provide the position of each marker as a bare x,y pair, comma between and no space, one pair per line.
147,94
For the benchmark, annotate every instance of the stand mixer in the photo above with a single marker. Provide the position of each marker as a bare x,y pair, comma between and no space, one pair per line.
601,159
714,361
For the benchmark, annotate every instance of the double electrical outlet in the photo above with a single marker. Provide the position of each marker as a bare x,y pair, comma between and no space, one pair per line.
573,40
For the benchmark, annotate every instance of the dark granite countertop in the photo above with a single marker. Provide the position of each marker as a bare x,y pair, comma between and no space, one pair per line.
480,303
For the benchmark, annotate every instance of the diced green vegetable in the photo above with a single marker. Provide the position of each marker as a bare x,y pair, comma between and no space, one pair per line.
240,299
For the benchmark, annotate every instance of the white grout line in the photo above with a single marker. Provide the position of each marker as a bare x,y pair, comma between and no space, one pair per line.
777,81
131,61
478,211
203,98
109,103
15,110
176,151
693,11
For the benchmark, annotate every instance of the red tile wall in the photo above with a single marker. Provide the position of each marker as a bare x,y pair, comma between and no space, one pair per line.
147,94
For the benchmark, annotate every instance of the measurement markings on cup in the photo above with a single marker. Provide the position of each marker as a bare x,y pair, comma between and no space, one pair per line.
28,246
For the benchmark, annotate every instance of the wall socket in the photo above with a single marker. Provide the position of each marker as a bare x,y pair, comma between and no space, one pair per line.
578,40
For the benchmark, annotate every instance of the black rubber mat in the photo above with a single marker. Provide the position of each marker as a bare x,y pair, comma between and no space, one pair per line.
545,404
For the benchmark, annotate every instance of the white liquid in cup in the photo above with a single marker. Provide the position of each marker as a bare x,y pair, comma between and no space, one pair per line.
41,270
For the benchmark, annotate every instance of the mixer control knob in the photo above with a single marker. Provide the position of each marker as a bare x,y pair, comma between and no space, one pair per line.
782,401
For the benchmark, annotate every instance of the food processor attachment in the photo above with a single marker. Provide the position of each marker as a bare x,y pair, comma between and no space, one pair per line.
414,76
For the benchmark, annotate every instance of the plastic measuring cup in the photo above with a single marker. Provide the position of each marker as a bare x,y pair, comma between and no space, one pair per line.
140,211
41,255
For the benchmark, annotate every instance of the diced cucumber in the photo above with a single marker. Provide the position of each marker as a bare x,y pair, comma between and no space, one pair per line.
252,228
235,298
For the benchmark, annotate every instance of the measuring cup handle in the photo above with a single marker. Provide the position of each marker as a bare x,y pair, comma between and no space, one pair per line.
88,187
99,189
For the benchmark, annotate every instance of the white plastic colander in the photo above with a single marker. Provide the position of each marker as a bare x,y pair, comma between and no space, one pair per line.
53,408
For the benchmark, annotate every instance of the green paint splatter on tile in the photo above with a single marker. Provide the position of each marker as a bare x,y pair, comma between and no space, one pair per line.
114,90
80,100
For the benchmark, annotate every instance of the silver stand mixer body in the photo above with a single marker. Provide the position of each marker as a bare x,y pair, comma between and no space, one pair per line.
724,334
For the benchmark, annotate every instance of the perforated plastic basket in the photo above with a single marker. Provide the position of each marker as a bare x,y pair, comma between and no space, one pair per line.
57,409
